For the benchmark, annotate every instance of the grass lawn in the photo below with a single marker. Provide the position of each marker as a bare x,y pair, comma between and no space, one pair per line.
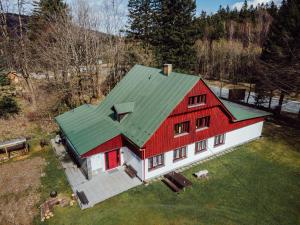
259,183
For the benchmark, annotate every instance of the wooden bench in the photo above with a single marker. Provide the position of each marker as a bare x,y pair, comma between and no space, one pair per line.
171,185
82,197
201,174
130,171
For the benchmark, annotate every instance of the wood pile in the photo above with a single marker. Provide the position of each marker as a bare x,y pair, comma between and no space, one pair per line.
48,206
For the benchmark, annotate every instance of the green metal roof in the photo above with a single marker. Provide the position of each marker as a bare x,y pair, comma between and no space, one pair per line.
241,112
149,96
126,107
85,128
146,92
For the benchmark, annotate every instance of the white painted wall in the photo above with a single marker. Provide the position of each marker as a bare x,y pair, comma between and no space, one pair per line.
128,157
97,163
232,138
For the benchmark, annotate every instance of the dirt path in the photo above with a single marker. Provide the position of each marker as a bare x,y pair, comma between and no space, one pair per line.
19,182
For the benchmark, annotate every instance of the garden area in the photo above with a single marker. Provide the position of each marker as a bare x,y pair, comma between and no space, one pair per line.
258,183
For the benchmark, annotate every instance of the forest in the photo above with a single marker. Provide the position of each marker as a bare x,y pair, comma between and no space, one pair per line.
70,55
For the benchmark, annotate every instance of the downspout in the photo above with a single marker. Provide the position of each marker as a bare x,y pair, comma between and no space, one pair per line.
144,169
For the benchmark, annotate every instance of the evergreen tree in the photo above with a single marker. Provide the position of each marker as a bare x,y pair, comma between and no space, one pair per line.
273,9
8,106
45,12
3,78
176,33
244,13
49,8
140,20
281,51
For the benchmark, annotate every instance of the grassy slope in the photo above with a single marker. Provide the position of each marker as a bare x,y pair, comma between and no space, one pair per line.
257,184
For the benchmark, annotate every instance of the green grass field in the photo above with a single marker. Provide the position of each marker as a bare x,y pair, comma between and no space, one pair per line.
259,183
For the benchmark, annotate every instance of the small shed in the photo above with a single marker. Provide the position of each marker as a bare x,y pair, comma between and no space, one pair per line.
237,94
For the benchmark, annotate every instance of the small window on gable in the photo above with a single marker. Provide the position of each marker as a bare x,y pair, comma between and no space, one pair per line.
202,122
182,128
197,100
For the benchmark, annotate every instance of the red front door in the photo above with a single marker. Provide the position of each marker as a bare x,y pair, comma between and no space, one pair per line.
112,159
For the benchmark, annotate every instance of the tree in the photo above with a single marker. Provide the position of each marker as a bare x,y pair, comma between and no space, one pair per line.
45,12
281,52
176,34
140,20
8,106
3,78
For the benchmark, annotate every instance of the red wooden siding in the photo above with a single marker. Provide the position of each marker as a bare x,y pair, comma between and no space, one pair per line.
114,143
199,89
163,139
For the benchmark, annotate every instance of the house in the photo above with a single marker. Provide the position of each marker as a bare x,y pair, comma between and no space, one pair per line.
156,121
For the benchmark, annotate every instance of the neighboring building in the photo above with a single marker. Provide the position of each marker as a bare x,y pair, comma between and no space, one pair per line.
156,121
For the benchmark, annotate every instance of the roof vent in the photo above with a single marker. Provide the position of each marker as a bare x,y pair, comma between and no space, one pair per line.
167,69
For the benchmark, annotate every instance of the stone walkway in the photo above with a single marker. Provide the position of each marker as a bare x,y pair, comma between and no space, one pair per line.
101,187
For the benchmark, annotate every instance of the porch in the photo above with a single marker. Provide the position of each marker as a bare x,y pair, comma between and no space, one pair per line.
101,187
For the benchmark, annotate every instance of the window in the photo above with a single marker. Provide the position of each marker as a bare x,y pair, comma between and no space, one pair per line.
219,139
182,128
202,122
197,100
155,161
179,153
201,146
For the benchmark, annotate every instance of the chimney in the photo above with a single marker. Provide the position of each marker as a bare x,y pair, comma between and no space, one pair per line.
167,69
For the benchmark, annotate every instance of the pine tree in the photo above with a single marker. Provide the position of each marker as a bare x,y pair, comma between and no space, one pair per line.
176,33
273,10
140,20
44,13
281,51
244,11
48,9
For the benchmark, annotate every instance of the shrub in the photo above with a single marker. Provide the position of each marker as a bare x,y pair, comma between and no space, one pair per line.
8,106
4,80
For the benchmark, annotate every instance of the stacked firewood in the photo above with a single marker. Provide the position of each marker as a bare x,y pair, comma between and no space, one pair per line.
47,207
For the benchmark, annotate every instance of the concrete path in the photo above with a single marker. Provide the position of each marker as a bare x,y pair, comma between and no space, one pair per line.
101,187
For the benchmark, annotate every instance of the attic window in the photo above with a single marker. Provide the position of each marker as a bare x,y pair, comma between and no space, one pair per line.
197,100
123,109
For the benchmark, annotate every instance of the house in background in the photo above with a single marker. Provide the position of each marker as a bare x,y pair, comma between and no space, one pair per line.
156,121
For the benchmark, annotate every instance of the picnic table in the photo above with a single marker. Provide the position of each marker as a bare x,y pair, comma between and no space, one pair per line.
178,180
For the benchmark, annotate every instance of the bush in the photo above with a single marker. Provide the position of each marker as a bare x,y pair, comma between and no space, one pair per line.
8,106
4,80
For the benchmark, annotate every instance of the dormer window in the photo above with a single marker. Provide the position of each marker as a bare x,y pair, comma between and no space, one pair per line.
197,100
123,109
